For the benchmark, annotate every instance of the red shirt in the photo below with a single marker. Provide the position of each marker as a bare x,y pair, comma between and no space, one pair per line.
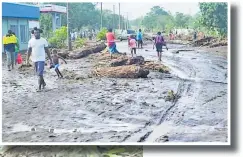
110,38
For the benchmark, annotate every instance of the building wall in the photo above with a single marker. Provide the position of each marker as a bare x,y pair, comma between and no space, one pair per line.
16,17
20,27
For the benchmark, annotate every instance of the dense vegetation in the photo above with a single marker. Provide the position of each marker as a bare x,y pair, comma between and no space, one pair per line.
84,16
212,20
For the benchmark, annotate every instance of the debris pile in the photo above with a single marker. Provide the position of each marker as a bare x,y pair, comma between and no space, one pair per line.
127,71
156,67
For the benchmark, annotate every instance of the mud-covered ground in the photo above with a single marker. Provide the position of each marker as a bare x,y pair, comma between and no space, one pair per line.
120,110
71,151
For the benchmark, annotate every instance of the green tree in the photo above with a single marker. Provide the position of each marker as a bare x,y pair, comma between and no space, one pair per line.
182,20
157,10
46,24
156,19
215,17
59,37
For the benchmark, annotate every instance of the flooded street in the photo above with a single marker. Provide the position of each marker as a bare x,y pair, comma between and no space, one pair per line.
120,110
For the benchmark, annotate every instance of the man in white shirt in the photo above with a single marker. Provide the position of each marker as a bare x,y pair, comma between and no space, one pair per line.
38,46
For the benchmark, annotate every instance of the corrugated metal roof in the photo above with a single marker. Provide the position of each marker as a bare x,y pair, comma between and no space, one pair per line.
19,10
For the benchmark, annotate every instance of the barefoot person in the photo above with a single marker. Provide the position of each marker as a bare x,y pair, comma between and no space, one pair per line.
159,43
140,38
37,47
9,42
110,37
55,65
132,44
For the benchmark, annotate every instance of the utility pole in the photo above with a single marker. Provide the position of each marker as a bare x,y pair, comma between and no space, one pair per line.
127,21
119,17
101,16
113,19
68,30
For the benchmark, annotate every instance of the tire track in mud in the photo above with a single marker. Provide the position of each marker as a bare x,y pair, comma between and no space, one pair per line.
213,98
180,89
187,71
189,74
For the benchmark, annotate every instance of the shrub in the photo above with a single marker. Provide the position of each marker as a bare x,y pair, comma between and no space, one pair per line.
79,42
59,37
102,34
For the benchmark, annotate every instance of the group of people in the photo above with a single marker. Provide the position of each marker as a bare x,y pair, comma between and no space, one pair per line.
37,48
84,34
134,42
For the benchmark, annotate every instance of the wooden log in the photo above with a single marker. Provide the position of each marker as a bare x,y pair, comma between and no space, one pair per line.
151,65
83,52
128,71
63,53
119,62
138,60
219,44
177,51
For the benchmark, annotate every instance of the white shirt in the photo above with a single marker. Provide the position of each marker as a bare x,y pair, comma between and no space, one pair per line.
76,34
38,49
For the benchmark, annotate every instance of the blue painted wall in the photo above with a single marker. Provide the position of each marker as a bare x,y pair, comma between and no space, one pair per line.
15,10
18,15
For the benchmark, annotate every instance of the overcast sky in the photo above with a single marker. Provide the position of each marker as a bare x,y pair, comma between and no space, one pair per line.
136,10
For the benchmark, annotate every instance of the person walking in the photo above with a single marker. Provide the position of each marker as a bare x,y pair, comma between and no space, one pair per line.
159,43
110,37
37,47
9,43
140,38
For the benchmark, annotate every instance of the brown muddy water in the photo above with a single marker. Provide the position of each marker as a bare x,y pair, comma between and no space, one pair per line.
120,110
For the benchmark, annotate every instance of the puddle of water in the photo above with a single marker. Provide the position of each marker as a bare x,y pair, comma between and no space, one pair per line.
162,129
21,128
97,128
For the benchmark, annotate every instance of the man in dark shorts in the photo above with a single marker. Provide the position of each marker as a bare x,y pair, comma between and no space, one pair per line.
159,43
38,46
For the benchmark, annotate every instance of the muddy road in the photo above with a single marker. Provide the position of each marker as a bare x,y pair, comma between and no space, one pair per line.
120,110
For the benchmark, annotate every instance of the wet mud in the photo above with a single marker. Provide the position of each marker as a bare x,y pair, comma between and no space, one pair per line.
83,108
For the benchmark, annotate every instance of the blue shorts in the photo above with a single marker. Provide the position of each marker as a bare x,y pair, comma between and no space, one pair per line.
56,66
39,68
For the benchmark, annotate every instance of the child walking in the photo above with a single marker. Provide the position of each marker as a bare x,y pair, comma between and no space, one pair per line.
132,44
55,65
